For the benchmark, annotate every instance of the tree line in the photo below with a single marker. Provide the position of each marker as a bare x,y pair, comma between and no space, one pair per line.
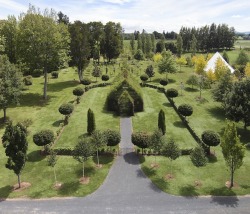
208,37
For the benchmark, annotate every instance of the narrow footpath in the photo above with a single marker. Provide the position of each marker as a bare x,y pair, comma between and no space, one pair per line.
127,190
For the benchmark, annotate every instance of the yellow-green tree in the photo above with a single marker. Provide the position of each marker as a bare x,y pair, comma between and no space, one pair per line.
211,75
157,57
247,70
220,69
181,61
199,64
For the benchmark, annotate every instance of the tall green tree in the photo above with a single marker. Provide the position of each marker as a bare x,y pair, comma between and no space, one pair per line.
52,159
10,84
16,146
62,18
242,58
132,42
148,45
99,141
112,42
139,42
167,64
179,44
79,46
232,150
161,122
91,122
153,42
193,45
225,56
41,42
150,71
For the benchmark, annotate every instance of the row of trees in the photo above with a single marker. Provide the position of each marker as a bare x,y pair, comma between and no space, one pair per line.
207,38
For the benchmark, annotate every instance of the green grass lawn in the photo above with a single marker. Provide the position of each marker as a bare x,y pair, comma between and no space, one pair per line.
45,115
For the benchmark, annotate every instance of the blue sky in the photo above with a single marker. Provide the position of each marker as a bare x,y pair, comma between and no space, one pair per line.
150,15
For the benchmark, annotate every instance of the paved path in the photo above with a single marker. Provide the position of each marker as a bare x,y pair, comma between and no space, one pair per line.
127,190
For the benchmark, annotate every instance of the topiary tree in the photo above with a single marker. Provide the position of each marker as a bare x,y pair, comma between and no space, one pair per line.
113,137
66,109
28,80
105,77
172,151
210,138
91,122
96,72
144,77
16,146
161,122
164,82
185,110
172,93
43,137
139,55
55,74
78,92
82,151
141,139
150,71
86,81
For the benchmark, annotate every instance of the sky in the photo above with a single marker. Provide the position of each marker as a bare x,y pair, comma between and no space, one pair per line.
151,15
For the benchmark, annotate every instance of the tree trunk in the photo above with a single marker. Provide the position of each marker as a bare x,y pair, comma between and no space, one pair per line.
19,181
97,155
79,71
232,175
55,174
83,169
4,114
45,84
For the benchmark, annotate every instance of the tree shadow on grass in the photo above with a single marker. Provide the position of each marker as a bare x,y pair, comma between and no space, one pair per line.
141,158
231,201
245,186
179,124
58,86
167,105
158,184
83,136
217,112
4,192
156,80
34,99
88,171
57,123
188,89
148,171
69,188
35,156
244,135
104,159
188,191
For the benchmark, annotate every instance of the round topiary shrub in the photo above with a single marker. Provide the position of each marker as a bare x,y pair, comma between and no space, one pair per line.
141,139
78,92
86,81
105,77
210,138
185,110
113,137
172,93
144,77
43,138
66,109
164,82
55,74
27,80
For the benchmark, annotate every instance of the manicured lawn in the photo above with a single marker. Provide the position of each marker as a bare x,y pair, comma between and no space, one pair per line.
45,115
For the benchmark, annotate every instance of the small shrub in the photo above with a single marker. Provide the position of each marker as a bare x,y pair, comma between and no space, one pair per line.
55,74
172,93
66,109
105,77
113,137
37,73
141,139
144,77
139,55
43,138
86,81
78,92
164,82
210,138
27,80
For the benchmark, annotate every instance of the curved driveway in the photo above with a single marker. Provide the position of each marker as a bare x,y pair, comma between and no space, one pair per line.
127,190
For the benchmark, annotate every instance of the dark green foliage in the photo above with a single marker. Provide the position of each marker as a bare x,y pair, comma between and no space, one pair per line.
225,56
179,45
161,122
126,104
193,80
99,141
131,86
167,64
185,110
237,105
139,55
86,81
16,146
78,91
37,72
164,82
150,71
141,139
43,137
55,74
171,46
243,58
66,108
210,138
27,80
171,150
198,157
156,142
172,93
91,122
144,77
113,137
96,72
105,77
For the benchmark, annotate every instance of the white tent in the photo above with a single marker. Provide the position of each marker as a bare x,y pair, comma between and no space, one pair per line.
212,62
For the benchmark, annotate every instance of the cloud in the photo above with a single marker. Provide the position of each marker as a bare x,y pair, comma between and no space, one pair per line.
236,16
